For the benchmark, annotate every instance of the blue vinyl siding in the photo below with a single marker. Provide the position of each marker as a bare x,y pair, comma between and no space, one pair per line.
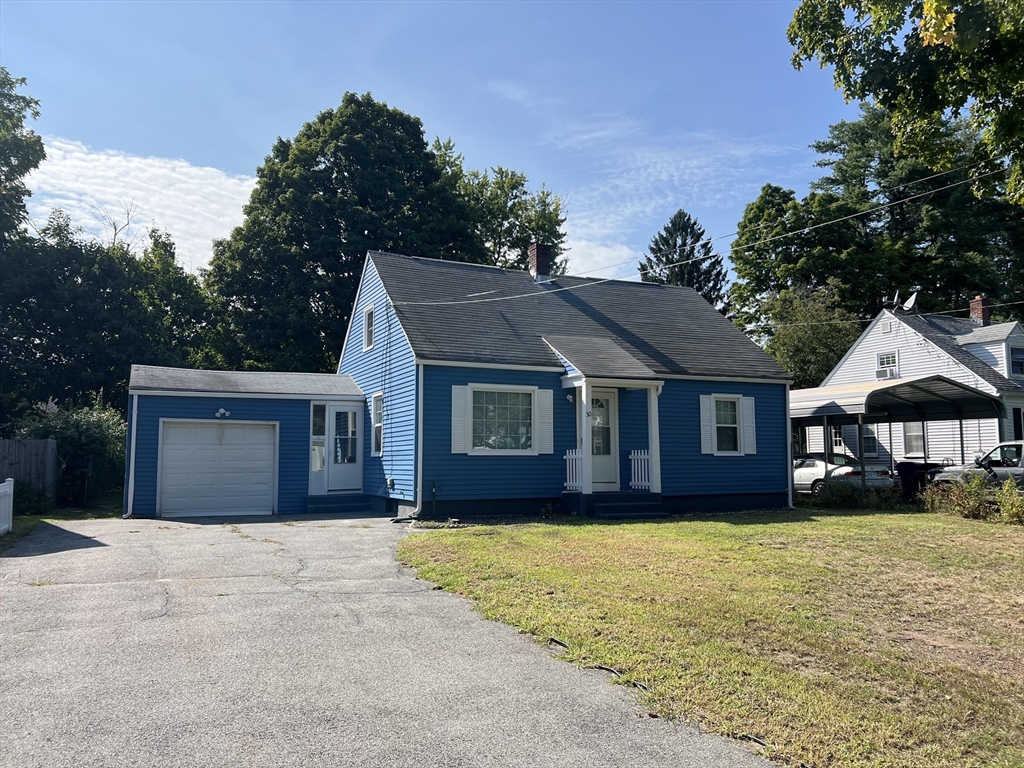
292,451
686,471
463,476
388,367
632,430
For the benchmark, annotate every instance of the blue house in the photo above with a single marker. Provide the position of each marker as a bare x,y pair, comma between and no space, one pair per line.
466,389
491,390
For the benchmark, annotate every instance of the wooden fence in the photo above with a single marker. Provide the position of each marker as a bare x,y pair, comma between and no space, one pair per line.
32,462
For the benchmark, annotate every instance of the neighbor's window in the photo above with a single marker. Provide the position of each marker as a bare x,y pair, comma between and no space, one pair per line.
870,440
1017,361
318,435
377,415
368,328
727,426
502,420
837,439
913,438
887,359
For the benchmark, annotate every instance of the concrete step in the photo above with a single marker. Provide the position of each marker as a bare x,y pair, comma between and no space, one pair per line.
631,510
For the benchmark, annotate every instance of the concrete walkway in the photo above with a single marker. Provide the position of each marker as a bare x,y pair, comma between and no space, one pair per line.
287,643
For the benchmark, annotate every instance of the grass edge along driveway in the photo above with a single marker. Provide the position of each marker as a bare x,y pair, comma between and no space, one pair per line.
861,639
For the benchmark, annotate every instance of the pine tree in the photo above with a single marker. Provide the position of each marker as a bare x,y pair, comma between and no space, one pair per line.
681,255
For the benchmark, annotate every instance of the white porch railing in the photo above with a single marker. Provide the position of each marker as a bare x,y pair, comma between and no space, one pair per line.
6,505
640,470
574,469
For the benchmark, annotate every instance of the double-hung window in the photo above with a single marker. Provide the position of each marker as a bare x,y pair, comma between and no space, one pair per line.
377,419
913,438
888,365
727,425
1017,361
368,328
870,440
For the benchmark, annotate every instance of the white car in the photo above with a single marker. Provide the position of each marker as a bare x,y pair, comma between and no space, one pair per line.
997,466
809,473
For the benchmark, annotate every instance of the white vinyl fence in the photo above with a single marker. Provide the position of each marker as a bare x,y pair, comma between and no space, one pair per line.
640,466
6,505
574,469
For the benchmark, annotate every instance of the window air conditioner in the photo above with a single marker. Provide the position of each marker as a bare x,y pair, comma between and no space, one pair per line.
886,373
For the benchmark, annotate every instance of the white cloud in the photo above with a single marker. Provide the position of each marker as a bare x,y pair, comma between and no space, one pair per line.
194,203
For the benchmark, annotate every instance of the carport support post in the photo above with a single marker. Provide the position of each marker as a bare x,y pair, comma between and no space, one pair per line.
826,444
860,455
963,459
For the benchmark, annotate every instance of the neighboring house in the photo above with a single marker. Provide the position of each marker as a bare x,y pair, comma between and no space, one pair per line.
489,389
468,389
905,345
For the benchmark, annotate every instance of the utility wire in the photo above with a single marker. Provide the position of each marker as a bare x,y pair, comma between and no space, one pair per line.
591,283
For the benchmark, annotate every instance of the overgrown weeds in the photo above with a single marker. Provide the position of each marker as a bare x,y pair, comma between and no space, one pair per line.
974,499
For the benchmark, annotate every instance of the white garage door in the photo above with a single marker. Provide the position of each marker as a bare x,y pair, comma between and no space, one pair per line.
217,468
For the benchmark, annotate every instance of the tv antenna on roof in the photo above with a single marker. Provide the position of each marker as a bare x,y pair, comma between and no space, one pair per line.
886,304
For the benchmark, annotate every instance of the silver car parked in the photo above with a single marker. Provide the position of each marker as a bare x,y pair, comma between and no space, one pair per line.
997,466
809,472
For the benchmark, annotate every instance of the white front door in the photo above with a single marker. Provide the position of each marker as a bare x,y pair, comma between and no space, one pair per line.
344,453
604,409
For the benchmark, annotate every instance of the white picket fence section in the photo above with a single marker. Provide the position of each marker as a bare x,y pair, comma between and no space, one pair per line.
6,505
640,470
574,469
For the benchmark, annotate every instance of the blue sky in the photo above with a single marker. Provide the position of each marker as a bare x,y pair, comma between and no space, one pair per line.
628,111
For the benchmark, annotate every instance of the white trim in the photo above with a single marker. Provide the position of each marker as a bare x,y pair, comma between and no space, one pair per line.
586,438
532,390
571,380
853,347
654,438
373,426
131,467
725,379
319,396
317,491
419,442
612,395
348,331
369,310
492,366
789,452
160,452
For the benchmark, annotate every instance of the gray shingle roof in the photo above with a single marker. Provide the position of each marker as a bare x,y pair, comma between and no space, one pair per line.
599,357
943,332
156,378
663,329
968,332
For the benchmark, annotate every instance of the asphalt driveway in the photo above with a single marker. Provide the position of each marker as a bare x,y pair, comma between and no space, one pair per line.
287,643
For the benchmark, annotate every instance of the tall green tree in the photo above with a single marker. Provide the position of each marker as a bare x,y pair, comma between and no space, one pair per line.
359,177
21,151
506,216
923,61
680,254
877,222
812,332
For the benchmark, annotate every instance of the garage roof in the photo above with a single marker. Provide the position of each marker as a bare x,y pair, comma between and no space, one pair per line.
152,379
926,398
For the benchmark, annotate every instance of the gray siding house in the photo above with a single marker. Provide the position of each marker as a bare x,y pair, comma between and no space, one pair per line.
905,345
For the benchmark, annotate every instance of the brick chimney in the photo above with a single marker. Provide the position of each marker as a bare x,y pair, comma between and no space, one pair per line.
540,260
981,312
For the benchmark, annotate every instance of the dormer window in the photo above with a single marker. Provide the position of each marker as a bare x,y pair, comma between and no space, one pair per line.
1017,361
368,328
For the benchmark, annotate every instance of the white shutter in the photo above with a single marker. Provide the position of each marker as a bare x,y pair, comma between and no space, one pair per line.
460,428
545,422
707,424
749,427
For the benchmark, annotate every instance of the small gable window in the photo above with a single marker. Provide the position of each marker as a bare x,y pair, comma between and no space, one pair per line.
1017,361
368,328
727,425
888,365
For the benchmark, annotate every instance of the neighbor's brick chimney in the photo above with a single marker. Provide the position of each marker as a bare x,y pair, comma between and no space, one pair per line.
540,260
981,312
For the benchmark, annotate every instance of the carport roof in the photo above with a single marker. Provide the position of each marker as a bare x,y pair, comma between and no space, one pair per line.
152,379
926,398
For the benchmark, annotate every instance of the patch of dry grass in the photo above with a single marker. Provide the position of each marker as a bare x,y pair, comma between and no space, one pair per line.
840,640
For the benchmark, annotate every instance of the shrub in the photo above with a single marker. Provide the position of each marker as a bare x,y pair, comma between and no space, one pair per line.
1010,499
29,500
96,433
970,498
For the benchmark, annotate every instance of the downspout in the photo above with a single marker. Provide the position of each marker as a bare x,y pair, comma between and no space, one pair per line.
789,451
419,441
131,459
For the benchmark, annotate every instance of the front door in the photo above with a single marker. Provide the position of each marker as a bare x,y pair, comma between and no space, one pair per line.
344,454
604,408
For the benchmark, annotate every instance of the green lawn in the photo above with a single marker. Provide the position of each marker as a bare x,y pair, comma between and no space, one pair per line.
859,639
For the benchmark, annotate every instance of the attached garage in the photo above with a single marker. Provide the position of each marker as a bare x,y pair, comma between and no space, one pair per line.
223,443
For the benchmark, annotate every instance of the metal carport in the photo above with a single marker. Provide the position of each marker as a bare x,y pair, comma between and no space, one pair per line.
926,398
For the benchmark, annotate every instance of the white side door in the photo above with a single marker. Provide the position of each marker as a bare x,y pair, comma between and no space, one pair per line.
345,452
604,409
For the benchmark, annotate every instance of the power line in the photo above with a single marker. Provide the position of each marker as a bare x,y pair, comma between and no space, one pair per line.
591,283
869,319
